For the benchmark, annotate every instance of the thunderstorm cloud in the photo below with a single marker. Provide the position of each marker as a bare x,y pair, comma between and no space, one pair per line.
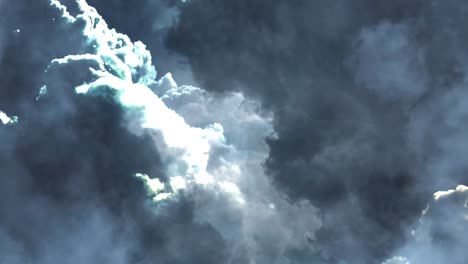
221,131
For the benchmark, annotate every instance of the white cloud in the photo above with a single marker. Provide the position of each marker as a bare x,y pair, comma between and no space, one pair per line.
446,194
397,260
6,119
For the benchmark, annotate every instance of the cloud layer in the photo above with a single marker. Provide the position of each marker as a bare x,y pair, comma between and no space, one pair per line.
362,106
98,168
367,99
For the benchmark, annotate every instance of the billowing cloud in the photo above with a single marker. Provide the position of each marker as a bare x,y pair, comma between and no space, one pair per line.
367,101
148,21
362,105
102,167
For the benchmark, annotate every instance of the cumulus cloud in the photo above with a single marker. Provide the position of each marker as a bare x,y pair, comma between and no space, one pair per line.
108,171
367,103
148,21
362,105
199,161
68,181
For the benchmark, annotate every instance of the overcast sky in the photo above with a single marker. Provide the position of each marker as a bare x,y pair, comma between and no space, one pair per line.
221,131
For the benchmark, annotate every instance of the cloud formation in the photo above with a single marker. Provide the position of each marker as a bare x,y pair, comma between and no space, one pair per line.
439,237
98,168
367,100
362,106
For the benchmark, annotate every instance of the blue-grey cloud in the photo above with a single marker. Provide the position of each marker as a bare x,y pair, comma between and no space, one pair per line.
362,104
100,165
367,104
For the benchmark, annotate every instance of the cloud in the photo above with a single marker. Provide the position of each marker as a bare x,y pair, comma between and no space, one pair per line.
148,21
366,100
101,167
397,260
389,61
362,105
257,212
6,119
439,235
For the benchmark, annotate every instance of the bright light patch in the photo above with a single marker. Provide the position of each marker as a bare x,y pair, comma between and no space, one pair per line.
442,194
154,185
231,188
6,119
178,183
161,197
42,92
397,260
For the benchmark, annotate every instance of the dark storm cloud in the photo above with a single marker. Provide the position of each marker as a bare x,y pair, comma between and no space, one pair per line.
308,38
98,168
369,113
368,100
68,181
439,236
67,192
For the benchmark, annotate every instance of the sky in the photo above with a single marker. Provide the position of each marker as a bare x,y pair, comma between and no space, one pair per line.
237,132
